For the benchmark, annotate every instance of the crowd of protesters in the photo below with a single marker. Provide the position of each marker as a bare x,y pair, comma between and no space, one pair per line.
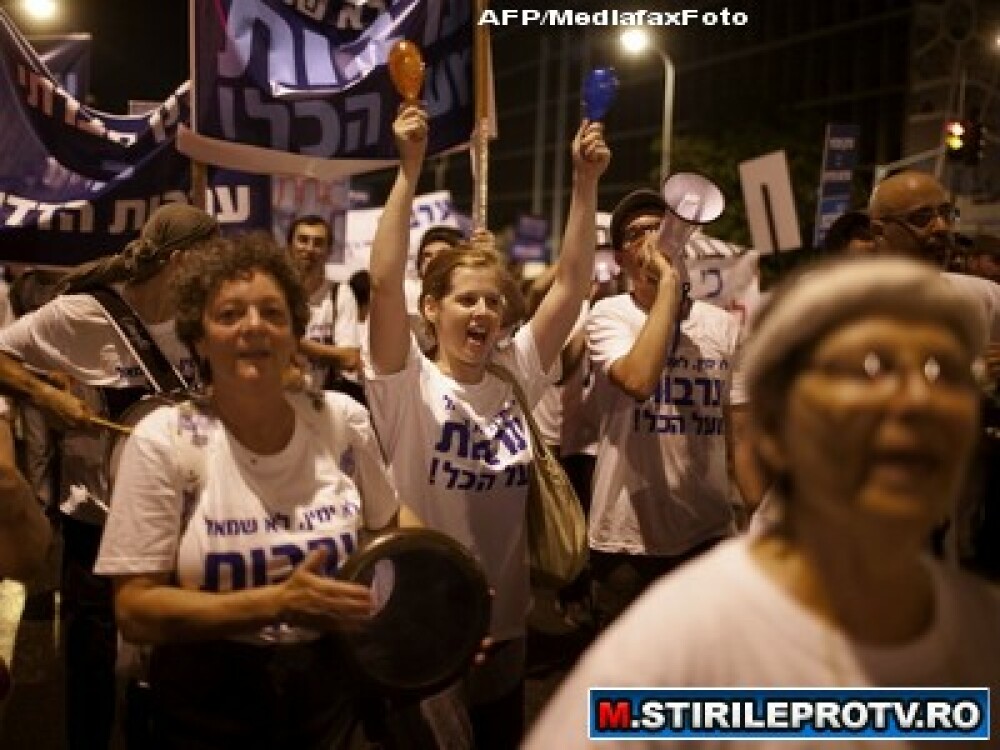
844,424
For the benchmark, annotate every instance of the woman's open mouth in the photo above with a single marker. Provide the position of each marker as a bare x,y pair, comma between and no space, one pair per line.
477,334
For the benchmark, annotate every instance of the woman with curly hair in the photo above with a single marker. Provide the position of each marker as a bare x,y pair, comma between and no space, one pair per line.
230,514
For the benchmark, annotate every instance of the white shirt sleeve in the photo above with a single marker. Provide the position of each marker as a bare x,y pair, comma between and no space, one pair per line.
737,380
378,494
345,332
609,336
144,526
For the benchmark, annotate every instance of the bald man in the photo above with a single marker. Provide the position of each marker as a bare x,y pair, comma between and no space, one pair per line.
911,215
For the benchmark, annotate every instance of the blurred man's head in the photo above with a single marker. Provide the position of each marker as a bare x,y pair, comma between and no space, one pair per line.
911,215
433,242
983,257
850,234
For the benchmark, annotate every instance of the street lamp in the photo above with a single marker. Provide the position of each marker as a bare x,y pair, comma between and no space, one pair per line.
40,10
635,42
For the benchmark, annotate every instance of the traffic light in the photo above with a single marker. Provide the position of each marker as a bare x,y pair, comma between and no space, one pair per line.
964,141
955,140
975,142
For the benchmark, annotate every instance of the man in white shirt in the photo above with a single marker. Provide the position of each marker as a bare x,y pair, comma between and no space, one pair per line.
672,421
911,215
331,342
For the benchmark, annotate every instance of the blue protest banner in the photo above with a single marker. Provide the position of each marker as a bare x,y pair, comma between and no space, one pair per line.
531,235
840,154
68,57
302,87
76,183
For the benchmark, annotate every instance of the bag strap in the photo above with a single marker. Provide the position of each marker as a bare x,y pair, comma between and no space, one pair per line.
334,291
160,373
539,448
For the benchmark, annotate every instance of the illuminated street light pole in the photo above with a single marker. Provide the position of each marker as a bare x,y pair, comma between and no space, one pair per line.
32,11
40,10
636,41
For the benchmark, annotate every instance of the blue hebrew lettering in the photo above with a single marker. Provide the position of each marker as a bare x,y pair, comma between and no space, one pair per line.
453,472
258,567
217,564
291,551
468,480
685,384
452,430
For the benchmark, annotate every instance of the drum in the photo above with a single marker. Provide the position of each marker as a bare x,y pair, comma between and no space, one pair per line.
130,418
432,611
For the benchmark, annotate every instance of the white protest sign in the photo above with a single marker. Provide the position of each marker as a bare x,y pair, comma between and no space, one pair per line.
770,205
725,275
432,209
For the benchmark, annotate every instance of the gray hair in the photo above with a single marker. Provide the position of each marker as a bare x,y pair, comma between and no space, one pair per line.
825,296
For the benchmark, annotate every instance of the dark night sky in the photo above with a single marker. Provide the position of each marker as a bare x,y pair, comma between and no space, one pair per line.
139,46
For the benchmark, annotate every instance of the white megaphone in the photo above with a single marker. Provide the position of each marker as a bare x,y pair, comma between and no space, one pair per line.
692,202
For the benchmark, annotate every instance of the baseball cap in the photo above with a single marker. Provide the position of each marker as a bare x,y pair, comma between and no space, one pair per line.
636,202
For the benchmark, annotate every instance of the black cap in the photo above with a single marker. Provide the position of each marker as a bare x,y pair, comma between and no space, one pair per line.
637,202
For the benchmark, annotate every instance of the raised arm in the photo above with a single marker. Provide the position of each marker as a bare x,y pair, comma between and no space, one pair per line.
639,371
558,311
389,327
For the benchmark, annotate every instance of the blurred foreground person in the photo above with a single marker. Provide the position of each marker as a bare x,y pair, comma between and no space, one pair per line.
230,515
24,530
864,405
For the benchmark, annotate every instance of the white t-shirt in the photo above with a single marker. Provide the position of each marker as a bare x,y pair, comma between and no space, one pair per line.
660,484
72,334
251,518
721,622
561,412
326,328
461,455
987,293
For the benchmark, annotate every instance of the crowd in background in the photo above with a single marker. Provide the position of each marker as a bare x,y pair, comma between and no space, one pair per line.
781,482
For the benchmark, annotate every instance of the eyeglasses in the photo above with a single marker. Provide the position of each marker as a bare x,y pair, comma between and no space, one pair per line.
638,232
885,372
923,216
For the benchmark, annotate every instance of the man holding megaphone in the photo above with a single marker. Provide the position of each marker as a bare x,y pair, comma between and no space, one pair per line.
664,365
